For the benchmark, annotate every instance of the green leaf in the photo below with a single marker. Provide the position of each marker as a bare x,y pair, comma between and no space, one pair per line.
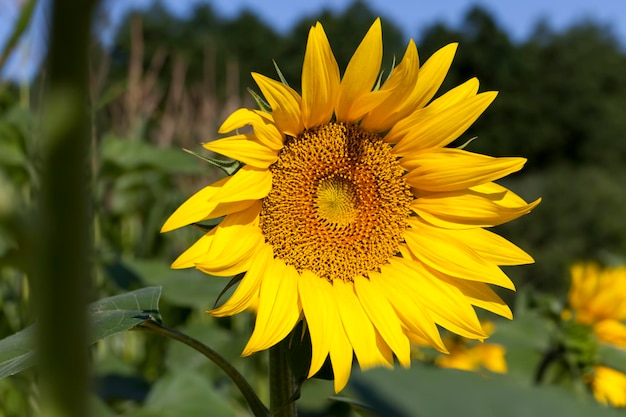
133,154
427,391
108,316
99,408
612,356
185,393
526,338
122,312
16,352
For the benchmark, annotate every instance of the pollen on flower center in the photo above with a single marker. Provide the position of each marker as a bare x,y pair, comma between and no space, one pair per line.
338,204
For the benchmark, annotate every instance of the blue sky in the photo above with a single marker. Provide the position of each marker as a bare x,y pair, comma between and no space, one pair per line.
517,17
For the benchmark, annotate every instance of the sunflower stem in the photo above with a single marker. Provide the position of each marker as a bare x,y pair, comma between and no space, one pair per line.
282,382
61,263
256,405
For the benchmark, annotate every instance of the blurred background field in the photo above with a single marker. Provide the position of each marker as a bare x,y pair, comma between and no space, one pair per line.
163,83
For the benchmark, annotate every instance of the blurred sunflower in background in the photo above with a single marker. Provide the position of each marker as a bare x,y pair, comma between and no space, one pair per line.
476,356
350,212
597,301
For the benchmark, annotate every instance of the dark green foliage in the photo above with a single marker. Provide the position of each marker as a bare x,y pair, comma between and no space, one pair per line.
581,218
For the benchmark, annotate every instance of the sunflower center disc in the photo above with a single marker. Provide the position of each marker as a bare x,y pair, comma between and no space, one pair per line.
336,201
339,203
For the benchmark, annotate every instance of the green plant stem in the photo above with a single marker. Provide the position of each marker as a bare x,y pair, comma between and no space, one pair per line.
256,405
60,230
282,382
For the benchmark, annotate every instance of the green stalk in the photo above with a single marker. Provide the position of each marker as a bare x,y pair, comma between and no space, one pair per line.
61,229
282,382
256,405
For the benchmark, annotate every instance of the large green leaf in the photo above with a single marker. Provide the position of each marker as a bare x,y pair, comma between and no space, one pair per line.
108,316
427,391
122,312
16,352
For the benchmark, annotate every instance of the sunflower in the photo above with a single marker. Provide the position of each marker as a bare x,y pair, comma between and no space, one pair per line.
597,299
476,356
351,214
489,356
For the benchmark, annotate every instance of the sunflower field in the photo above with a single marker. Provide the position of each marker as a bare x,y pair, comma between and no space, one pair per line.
203,216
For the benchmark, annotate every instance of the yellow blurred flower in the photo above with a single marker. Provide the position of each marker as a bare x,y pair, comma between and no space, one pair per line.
597,299
470,355
609,386
598,294
488,356
351,213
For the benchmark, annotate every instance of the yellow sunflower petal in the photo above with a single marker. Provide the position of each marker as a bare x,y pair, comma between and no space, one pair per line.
455,169
432,74
237,257
223,209
244,117
341,355
244,148
263,124
357,325
279,309
320,79
400,84
190,257
267,133
384,318
468,210
446,304
231,194
459,93
235,242
444,253
455,96
492,246
195,209
248,183
360,75
285,103
480,295
499,194
367,102
384,349
409,309
442,127
248,287
320,311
